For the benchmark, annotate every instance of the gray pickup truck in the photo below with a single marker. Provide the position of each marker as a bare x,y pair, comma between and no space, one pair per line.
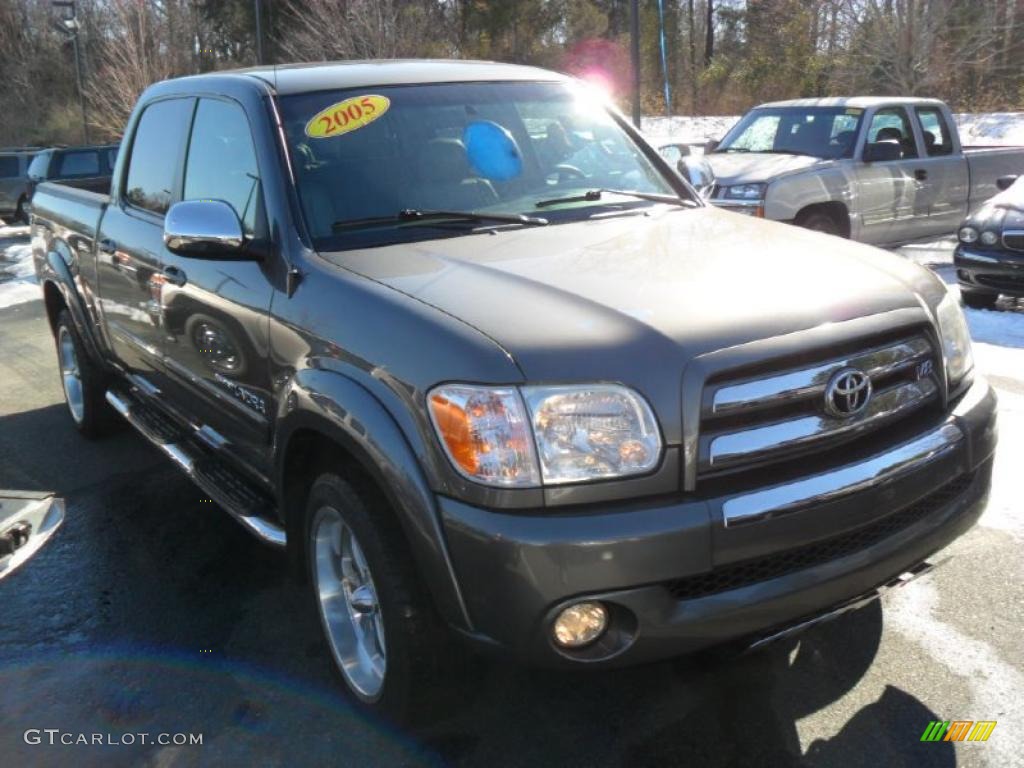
881,170
460,342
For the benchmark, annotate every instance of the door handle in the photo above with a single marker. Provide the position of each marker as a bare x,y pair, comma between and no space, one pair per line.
107,245
174,275
921,174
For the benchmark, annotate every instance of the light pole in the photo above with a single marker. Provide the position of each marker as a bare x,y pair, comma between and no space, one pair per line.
258,11
70,26
634,33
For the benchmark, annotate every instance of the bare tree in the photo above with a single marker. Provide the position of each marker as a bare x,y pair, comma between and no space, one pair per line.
144,42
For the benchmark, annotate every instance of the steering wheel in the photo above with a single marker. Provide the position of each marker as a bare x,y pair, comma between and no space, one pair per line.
565,172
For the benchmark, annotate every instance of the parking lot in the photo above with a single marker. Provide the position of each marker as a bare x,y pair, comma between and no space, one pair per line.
153,612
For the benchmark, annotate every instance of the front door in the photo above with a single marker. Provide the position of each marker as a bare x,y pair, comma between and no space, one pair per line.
889,193
216,311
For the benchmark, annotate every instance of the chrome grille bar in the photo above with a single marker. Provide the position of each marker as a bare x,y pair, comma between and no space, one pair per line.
752,445
812,491
771,391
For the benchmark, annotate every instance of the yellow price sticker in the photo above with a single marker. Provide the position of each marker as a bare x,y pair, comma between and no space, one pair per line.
347,116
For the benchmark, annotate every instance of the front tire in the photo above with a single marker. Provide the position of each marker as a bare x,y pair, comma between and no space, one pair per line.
83,380
819,221
380,628
979,299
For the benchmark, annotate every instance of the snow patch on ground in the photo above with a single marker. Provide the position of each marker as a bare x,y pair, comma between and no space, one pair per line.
18,282
994,684
1002,128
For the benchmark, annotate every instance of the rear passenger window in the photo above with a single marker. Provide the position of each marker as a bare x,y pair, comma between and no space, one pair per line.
221,161
155,151
79,164
935,131
8,166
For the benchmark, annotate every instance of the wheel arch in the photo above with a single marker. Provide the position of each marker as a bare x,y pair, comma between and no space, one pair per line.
834,209
326,411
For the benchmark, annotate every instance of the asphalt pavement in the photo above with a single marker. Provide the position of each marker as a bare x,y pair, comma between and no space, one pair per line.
152,612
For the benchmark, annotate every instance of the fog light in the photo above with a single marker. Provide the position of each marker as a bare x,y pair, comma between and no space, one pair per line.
580,624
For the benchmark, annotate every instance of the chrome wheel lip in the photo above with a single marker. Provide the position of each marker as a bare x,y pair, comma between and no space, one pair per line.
349,608
70,374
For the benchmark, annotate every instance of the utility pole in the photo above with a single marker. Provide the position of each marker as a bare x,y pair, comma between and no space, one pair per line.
634,34
257,10
70,27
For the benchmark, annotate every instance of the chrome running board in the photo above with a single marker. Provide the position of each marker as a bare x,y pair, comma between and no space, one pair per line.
249,507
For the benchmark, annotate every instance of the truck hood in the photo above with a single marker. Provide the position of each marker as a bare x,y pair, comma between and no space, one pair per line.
634,297
755,167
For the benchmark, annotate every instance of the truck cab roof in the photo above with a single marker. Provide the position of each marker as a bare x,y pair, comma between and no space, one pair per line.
289,79
861,102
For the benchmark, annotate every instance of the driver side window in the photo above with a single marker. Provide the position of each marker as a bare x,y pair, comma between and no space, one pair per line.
892,124
221,162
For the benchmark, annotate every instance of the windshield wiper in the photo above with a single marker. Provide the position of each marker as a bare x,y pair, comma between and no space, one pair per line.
415,216
592,195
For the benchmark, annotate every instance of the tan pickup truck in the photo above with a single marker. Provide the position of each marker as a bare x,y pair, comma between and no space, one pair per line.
881,170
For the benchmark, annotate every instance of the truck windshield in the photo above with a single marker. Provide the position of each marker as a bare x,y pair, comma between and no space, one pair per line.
363,156
825,132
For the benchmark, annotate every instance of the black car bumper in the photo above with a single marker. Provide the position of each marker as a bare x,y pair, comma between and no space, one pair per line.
673,579
993,271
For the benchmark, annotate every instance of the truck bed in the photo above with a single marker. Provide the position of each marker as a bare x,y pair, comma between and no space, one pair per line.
985,164
71,207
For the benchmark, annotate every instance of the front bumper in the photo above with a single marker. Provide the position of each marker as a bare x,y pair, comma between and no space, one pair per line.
995,271
677,579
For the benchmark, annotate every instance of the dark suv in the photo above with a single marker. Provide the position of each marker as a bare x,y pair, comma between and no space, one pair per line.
461,342
14,163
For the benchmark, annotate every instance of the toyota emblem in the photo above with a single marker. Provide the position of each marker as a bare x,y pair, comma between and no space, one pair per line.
848,393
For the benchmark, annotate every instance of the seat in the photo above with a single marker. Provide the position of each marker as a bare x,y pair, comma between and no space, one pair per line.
843,143
892,133
445,179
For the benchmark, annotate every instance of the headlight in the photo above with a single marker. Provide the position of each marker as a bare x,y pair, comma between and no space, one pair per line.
967,234
485,434
579,433
587,433
988,237
745,192
956,340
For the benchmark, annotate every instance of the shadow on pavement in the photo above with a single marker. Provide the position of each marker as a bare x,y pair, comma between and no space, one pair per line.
40,450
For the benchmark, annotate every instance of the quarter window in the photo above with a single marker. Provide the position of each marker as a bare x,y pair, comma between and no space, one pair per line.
153,165
937,140
221,161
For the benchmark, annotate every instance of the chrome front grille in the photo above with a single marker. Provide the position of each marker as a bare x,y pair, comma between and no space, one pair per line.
756,420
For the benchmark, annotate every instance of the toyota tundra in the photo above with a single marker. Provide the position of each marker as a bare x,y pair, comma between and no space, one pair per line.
459,341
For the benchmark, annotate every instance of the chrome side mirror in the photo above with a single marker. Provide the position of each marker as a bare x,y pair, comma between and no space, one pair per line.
204,228
27,521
